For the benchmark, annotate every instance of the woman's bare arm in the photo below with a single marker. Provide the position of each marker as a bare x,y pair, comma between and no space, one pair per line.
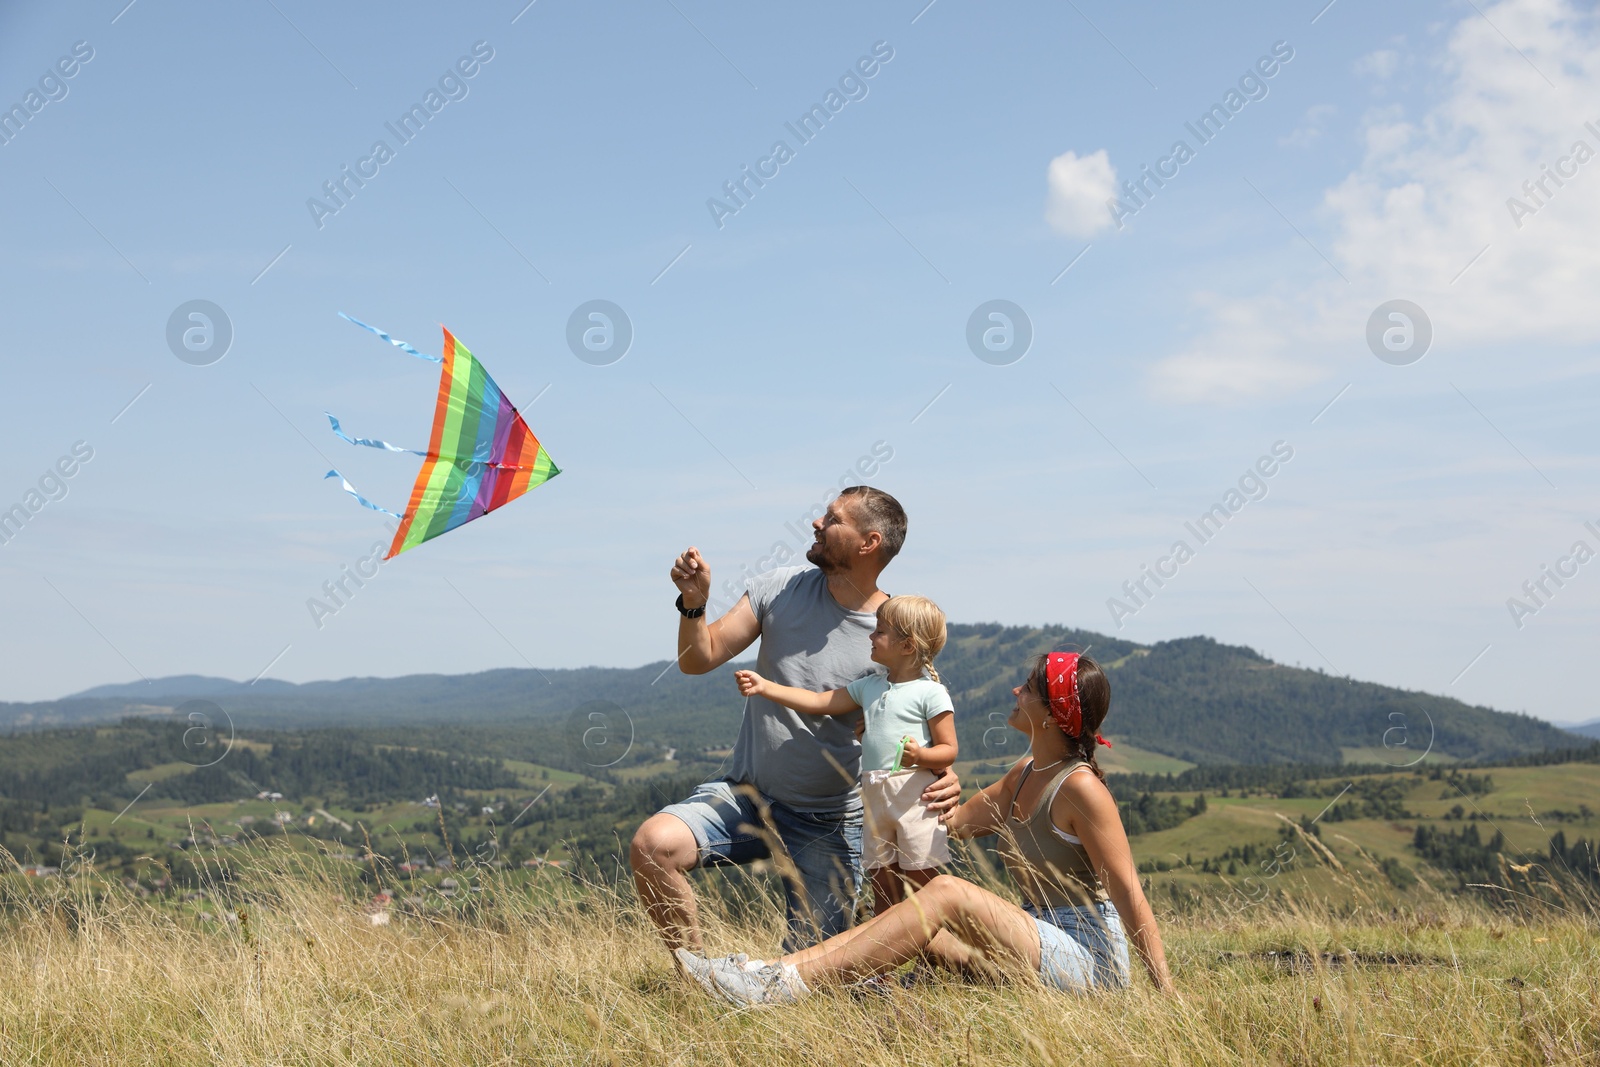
985,813
1085,808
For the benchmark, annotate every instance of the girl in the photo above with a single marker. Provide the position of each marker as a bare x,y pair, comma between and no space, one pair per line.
910,738
1062,841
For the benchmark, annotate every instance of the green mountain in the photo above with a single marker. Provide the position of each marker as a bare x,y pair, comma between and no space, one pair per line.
1210,703
1192,698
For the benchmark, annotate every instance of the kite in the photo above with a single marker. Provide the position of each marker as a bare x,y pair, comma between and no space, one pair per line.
480,456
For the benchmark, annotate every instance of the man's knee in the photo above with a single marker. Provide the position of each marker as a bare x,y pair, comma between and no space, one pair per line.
663,843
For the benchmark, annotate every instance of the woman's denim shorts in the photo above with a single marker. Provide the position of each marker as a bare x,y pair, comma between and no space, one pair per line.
1081,948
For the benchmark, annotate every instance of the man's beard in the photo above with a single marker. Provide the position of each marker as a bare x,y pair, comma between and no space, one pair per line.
817,555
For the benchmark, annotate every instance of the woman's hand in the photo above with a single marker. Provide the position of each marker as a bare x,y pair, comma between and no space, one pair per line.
985,813
751,684
943,794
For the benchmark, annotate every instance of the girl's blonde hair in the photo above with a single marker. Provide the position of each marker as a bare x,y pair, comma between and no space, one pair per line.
918,620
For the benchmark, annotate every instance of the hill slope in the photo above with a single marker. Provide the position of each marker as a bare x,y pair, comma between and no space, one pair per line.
1210,703
1192,698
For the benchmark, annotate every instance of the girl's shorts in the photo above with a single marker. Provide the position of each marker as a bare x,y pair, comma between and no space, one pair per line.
900,829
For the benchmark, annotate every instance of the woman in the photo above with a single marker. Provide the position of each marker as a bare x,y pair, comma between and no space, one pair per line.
1063,843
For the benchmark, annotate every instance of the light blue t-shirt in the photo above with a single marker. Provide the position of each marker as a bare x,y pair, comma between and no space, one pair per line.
893,710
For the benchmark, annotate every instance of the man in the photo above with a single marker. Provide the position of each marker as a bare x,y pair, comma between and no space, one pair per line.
792,777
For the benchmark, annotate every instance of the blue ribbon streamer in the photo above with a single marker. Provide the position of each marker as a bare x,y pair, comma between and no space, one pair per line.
363,501
370,442
401,345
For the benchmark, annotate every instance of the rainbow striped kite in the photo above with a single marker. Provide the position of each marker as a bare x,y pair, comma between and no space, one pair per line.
481,453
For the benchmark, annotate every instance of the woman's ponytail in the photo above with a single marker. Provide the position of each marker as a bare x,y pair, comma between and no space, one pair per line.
1094,690
1084,745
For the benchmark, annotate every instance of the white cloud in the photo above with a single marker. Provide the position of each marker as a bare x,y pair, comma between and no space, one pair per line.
1429,196
1241,356
1312,126
1079,189
1379,65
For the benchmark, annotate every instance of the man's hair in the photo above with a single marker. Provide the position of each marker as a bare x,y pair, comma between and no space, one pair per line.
878,512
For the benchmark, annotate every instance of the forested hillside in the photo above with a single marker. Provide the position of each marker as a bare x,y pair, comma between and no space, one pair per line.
1192,698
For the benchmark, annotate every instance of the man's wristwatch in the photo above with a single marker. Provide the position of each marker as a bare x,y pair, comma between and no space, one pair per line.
689,613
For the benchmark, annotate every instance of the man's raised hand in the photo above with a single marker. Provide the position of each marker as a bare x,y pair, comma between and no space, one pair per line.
693,578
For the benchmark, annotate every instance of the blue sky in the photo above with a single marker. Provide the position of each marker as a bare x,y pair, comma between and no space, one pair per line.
770,353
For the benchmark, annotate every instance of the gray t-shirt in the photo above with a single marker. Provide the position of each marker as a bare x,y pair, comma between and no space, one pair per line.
810,642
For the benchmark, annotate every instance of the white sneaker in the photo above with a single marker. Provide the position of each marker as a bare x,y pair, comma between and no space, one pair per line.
744,981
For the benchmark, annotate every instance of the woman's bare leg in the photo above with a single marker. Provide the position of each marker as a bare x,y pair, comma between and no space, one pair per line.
947,920
944,950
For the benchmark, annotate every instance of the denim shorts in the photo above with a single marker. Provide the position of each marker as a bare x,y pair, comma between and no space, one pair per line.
725,818
1081,948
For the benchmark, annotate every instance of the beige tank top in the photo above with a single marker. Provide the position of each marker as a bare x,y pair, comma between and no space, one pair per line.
1051,867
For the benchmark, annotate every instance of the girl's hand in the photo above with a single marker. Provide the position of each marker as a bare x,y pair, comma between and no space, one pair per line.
911,755
751,684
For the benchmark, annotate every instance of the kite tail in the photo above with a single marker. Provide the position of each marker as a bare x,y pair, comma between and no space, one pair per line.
401,345
363,501
370,442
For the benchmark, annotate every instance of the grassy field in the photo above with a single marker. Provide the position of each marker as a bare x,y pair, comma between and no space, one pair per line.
1123,757
292,969
1301,930
1526,804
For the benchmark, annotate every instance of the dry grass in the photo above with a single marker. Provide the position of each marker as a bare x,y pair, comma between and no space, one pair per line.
560,973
